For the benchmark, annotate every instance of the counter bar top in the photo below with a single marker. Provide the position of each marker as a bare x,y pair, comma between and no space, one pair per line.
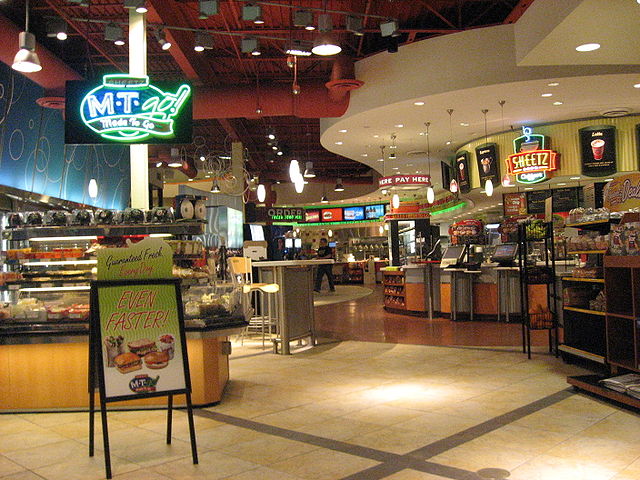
293,263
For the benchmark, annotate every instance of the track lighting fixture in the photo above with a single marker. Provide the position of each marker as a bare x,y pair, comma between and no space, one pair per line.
114,33
252,12
207,8
162,40
250,45
26,60
303,18
139,5
389,28
297,48
203,41
308,171
57,27
339,187
354,25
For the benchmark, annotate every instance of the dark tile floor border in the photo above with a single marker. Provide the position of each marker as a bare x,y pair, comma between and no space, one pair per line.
391,463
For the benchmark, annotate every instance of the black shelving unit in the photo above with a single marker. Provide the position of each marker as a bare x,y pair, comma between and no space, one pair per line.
542,272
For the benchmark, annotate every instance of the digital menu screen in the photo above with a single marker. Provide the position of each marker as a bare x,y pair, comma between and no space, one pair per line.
332,215
312,216
353,213
372,212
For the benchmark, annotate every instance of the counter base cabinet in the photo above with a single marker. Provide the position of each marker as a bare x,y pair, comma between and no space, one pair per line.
50,376
402,297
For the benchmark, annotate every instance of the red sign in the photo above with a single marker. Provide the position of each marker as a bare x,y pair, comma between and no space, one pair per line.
532,161
514,204
332,215
312,216
404,180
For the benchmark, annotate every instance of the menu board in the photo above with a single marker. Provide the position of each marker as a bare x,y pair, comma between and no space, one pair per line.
565,199
372,212
535,201
353,213
140,336
598,150
487,157
447,174
331,214
514,204
462,172
312,216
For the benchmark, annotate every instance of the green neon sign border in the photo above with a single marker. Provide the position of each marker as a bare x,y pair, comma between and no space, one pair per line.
145,85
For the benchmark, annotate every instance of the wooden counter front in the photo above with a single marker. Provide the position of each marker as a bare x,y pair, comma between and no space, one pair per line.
50,376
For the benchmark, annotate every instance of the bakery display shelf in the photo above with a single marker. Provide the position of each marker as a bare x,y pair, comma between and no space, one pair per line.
596,225
587,280
585,310
587,252
28,233
589,383
577,352
52,261
394,295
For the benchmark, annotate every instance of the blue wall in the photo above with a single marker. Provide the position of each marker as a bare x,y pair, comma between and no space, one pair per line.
33,155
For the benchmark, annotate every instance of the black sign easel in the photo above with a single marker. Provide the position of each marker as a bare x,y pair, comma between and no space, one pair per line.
96,372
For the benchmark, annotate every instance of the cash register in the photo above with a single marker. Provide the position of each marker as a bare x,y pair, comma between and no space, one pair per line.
453,256
505,254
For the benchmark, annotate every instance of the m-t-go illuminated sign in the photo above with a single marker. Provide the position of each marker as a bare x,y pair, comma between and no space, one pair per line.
130,109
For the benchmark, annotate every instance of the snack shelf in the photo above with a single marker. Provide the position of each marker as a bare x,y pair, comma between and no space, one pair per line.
36,262
27,233
577,352
585,310
589,383
587,280
596,225
587,252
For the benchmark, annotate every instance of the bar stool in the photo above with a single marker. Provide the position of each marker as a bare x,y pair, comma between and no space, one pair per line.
242,275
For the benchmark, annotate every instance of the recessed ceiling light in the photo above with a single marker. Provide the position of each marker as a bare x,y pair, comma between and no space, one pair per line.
342,131
448,142
557,103
364,154
399,125
376,136
574,178
207,176
381,159
418,104
529,188
338,143
609,180
637,85
500,203
552,84
395,168
588,47
547,95
562,184
411,165
464,124
421,134
191,180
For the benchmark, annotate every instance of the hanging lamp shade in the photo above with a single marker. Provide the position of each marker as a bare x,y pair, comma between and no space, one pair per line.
431,194
325,46
261,193
26,60
93,188
488,187
453,186
395,200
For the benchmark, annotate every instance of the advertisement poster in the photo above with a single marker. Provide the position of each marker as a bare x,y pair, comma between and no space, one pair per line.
487,157
141,342
447,173
598,150
372,212
462,172
311,216
332,215
514,204
353,213
623,193
149,258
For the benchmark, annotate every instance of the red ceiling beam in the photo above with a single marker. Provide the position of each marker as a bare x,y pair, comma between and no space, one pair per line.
518,11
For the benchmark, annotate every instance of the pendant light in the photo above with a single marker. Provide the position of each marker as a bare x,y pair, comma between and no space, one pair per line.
488,185
93,188
26,60
395,201
381,229
330,233
324,198
261,192
431,194
294,170
506,180
308,171
299,184
324,45
215,188
339,187
453,186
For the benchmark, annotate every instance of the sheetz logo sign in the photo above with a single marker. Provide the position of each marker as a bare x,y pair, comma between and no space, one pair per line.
531,161
126,108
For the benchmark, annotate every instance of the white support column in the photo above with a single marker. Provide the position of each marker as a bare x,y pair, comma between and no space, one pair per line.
139,153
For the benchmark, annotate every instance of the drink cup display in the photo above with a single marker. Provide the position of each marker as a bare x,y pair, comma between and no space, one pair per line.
529,146
486,165
597,147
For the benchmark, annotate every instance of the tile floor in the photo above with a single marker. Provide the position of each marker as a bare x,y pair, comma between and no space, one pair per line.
355,410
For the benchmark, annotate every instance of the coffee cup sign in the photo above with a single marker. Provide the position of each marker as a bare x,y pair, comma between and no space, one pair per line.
462,171
487,157
598,150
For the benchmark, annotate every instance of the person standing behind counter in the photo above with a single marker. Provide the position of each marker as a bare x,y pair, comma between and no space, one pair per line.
324,251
